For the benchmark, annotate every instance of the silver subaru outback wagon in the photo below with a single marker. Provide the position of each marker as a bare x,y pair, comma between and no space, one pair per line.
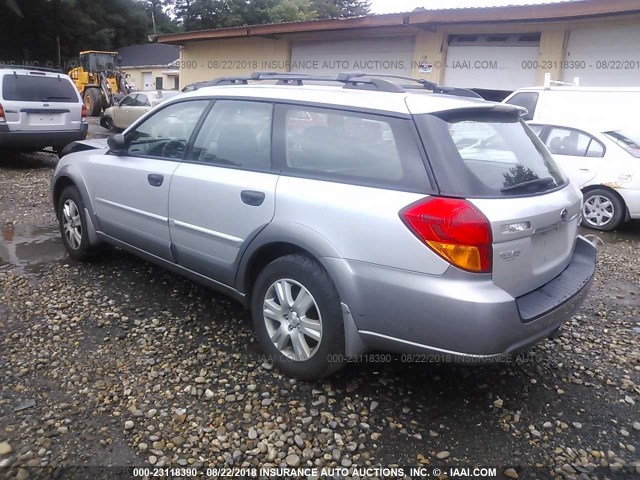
349,213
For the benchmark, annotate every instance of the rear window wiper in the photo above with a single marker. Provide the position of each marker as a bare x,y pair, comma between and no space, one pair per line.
545,181
56,98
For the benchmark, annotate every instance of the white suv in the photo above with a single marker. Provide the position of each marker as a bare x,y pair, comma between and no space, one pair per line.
39,108
368,216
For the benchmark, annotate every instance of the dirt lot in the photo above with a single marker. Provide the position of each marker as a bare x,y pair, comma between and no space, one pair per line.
122,363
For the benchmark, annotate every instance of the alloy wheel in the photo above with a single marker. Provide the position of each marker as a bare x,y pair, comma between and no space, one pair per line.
72,224
293,319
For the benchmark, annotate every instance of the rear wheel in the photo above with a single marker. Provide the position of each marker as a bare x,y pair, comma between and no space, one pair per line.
602,210
93,101
297,317
73,225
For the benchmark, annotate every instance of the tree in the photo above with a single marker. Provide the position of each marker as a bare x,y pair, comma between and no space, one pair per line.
341,8
206,14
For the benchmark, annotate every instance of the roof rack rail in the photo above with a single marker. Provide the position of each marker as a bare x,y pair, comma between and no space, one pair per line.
29,67
356,80
548,82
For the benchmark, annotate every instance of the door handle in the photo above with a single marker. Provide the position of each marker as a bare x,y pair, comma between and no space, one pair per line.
584,169
155,180
252,197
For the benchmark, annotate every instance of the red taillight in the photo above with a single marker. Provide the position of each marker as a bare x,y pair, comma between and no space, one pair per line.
455,230
2,119
84,111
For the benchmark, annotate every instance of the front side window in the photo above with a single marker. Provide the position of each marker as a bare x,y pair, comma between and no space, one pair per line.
142,101
487,155
128,101
166,133
236,134
567,141
352,146
528,100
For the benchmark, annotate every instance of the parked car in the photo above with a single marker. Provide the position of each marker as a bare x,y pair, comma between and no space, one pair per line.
132,107
562,104
39,108
605,165
340,241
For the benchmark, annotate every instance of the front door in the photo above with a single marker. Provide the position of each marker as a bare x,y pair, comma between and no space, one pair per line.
130,191
147,81
224,194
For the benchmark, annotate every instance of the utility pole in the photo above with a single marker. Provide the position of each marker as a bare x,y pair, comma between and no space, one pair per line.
153,20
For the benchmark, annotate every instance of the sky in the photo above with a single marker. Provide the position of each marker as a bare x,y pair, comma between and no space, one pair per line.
394,6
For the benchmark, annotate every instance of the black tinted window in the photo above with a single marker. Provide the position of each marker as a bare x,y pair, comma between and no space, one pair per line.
236,133
348,145
38,88
128,101
487,155
528,100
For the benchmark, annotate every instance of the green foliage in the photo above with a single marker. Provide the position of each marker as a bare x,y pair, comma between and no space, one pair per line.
29,28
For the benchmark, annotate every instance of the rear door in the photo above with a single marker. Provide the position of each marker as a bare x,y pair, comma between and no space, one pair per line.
224,193
130,191
494,160
37,101
578,153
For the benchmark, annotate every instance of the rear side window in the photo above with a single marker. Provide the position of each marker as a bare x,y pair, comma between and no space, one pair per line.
567,141
528,100
487,155
38,88
353,147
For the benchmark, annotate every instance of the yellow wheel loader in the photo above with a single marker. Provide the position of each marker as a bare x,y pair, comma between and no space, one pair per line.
98,80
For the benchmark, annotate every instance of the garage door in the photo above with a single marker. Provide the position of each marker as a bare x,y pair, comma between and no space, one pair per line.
491,62
380,55
604,57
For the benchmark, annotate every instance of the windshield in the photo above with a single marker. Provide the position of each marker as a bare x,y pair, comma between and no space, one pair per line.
488,155
98,62
629,141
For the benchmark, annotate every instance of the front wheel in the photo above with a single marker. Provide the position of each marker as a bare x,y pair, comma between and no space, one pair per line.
602,210
73,225
297,317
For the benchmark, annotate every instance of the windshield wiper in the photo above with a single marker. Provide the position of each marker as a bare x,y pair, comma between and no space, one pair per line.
536,181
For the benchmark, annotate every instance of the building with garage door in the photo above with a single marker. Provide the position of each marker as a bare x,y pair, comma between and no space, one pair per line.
494,50
151,66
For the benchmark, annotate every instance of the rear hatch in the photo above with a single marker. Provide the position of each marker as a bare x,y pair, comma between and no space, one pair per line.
37,101
487,155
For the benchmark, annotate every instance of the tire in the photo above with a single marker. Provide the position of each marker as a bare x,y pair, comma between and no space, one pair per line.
70,213
110,125
602,210
321,312
93,101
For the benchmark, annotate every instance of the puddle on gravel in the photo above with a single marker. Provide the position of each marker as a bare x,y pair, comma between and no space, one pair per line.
28,247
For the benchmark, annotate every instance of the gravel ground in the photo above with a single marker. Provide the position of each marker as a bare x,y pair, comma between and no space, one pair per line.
121,363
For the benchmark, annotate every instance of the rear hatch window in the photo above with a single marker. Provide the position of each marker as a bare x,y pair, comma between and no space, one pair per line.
487,155
38,88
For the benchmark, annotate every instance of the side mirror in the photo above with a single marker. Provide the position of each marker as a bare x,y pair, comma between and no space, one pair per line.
116,143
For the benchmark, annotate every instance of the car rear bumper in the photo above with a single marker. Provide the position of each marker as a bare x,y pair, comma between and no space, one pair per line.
453,317
35,140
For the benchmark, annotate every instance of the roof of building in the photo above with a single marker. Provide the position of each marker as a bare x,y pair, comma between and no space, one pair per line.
156,54
563,10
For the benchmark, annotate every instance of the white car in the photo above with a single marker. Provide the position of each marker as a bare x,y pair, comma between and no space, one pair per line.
132,107
604,164
39,107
